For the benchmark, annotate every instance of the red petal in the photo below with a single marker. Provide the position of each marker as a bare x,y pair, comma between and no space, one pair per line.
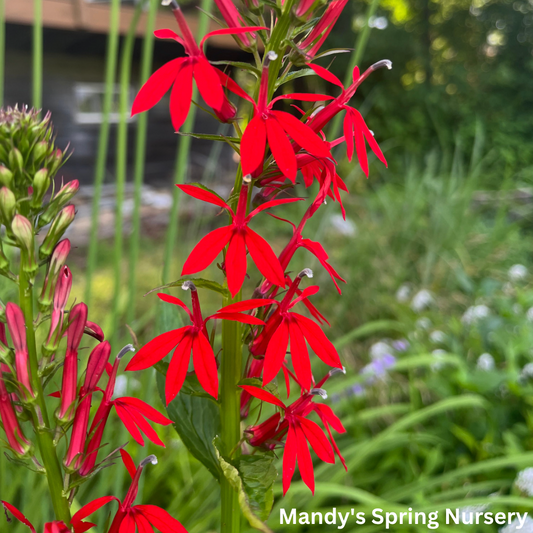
18,515
275,352
233,87
262,395
208,83
181,95
129,423
160,519
142,522
300,356
176,301
205,364
326,74
177,370
304,97
330,416
303,134
289,459
128,463
264,258
317,440
156,349
232,31
318,341
305,464
236,262
308,291
246,305
253,145
91,507
127,525
206,251
156,86
239,317
147,410
202,194
282,149
272,203
370,140
168,34
348,134
144,426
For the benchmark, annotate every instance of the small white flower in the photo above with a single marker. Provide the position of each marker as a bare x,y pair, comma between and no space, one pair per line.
345,227
437,336
529,314
379,349
475,313
121,386
485,362
422,300
527,371
515,525
467,514
403,293
423,323
517,273
524,481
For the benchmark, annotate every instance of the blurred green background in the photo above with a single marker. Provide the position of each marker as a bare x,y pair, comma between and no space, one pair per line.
435,323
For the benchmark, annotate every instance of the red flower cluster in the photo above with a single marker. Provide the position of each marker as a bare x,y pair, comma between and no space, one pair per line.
273,147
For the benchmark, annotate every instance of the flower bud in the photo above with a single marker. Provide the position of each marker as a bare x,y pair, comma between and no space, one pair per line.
56,231
57,262
6,177
41,182
63,196
56,161
8,204
16,160
40,151
23,232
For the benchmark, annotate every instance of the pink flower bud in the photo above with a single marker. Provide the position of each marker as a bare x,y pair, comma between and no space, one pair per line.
57,262
41,183
8,204
60,224
234,20
64,196
6,177
94,330
17,329
61,294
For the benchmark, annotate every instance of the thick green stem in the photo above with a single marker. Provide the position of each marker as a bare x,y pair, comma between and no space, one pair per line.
40,414
230,416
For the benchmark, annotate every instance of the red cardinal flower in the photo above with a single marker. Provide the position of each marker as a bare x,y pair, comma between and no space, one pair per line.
300,433
17,329
355,128
286,326
131,411
130,518
189,339
276,127
240,238
180,72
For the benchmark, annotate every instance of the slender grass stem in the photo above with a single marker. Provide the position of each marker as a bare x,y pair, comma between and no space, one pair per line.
182,159
2,49
140,157
122,167
37,92
99,175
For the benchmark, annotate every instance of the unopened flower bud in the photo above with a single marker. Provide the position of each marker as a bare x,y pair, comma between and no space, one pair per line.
6,177
8,204
23,233
41,182
62,198
57,262
16,161
56,161
56,231
40,151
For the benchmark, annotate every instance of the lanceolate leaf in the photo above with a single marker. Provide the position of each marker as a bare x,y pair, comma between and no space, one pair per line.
197,422
199,282
294,75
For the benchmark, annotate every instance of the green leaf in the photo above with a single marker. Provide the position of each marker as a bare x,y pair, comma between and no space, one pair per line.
256,382
199,282
240,64
294,75
197,422
257,502
211,137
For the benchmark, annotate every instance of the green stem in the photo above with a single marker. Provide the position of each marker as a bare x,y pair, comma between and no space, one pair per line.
140,158
357,55
121,167
230,416
37,54
182,160
111,65
42,422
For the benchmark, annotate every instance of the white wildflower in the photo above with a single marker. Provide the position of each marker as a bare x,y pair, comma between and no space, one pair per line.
485,362
437,336
517,273
345,227
475,313
379,349
403,293
524,481
514,526
529,314
422,300
527,371
423,323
